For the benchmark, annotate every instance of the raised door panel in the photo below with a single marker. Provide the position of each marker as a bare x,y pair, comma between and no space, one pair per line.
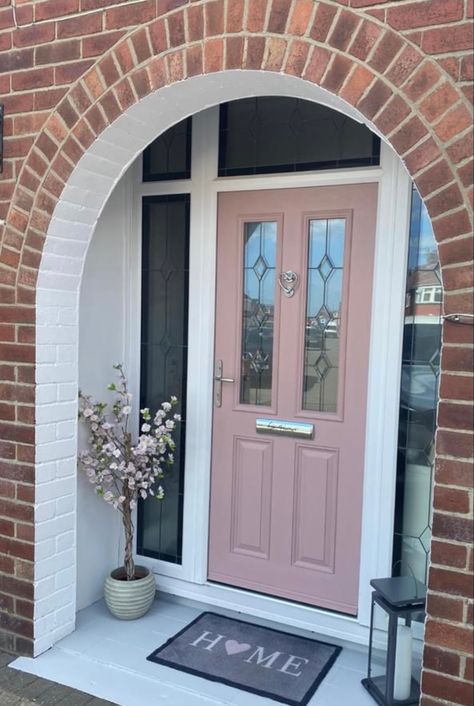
314,508
251,497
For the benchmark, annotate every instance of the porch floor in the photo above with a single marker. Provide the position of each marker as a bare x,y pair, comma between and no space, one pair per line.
107,658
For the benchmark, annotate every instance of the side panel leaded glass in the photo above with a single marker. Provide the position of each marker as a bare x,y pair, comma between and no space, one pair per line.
418,398
165,274
323,314
169,156
260,249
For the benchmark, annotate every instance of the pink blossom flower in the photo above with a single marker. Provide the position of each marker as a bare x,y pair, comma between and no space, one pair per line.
120,464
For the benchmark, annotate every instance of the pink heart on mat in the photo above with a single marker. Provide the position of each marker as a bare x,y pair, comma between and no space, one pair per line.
232,647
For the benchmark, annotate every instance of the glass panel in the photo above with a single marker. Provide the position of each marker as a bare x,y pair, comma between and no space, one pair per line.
281,134
418,398
164,357
169,156
323,314
260,248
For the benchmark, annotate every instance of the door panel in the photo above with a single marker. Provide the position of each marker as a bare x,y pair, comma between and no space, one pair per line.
314,515
286,514
251,497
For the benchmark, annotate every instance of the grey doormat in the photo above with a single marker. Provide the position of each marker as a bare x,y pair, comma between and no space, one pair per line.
267,662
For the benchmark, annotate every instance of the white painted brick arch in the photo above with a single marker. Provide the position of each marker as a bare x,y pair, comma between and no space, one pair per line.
57,329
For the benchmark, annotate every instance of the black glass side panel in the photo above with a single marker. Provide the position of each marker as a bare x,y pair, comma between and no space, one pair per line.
279,134
165,275
418,398
169,156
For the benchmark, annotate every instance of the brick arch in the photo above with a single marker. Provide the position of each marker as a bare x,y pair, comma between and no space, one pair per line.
400,92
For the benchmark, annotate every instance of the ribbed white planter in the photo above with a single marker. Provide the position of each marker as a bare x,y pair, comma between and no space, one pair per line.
128,600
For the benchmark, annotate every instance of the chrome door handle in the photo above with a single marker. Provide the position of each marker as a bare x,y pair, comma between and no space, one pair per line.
218,379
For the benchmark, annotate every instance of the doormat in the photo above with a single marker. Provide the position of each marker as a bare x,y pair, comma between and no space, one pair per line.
267,662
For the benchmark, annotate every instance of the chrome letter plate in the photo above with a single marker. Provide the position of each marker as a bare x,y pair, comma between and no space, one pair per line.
285,428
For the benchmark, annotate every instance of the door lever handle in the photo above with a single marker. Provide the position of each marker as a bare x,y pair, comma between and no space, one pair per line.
219,379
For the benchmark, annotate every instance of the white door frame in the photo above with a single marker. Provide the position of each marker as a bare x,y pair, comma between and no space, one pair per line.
190,579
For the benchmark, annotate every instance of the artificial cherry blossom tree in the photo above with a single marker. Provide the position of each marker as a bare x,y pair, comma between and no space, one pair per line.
122,469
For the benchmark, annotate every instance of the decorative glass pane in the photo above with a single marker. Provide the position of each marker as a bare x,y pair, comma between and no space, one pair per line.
282,134
260,247
418,398
169,156
323,314
164,357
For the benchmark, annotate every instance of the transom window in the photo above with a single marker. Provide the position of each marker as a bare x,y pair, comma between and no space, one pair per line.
268,135
277,134
169,156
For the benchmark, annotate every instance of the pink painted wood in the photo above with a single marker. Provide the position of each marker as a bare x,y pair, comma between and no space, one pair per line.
286,512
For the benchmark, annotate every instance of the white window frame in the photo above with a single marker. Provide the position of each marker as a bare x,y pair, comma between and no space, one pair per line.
189,580
428,294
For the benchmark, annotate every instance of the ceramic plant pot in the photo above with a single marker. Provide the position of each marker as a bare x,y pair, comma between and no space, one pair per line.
129,600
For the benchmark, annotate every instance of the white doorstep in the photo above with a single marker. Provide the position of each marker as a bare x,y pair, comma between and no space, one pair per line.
106,658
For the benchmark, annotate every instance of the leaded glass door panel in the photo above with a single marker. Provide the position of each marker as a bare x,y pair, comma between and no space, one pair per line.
294,280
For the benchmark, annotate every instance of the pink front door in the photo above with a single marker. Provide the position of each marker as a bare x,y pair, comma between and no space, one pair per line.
294,281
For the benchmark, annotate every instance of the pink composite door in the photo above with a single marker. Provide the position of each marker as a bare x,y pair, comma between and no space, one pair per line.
294,281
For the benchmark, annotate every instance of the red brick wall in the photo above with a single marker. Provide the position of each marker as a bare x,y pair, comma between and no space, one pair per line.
69,67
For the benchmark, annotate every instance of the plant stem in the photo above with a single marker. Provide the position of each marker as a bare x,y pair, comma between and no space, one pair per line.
128,530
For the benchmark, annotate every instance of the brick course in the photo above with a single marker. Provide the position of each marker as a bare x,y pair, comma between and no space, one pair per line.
405,65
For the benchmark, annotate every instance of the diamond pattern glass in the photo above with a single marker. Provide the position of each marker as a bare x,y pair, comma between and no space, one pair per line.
164,357
323,314
260,243
418,398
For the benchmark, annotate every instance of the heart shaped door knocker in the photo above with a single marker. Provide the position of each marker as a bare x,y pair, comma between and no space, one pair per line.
288,281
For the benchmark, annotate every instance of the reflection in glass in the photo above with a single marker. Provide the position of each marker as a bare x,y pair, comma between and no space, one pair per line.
323,314
418,399
260,246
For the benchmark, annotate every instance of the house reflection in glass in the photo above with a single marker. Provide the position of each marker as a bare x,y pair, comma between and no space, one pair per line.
418,398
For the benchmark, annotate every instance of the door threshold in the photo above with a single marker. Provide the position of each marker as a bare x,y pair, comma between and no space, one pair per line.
279,611
285,599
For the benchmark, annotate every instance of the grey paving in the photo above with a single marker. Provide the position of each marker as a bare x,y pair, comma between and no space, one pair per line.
22,689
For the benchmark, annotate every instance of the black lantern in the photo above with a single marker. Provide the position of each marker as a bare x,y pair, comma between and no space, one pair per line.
400,597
